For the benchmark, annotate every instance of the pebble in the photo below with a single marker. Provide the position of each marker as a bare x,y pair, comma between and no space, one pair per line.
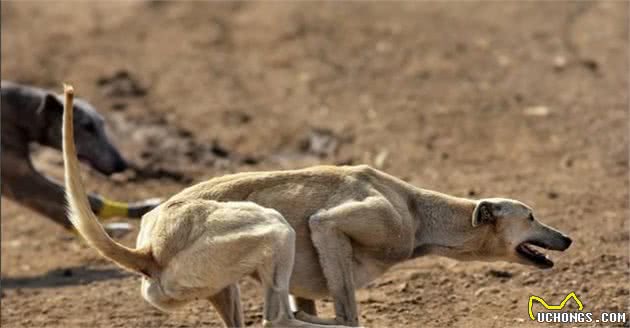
536,111
559,62
402,287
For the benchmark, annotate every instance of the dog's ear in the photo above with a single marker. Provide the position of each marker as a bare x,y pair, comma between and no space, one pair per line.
51,105
484,213
49,114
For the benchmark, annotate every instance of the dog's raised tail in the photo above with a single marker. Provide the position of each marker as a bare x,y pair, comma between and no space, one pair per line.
80,214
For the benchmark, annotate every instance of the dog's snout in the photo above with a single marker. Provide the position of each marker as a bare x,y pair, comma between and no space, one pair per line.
120,165
566,241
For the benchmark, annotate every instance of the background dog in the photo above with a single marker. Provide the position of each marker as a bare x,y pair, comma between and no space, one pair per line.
34,115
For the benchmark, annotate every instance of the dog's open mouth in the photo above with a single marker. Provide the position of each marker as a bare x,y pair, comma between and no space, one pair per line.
528,252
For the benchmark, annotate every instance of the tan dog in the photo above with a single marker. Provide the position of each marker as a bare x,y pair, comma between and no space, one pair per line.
353,223
195,248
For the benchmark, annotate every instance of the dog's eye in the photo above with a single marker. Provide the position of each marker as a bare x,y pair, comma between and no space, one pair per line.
89,127
531,217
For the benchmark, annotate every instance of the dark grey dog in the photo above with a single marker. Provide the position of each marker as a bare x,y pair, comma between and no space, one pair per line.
34,115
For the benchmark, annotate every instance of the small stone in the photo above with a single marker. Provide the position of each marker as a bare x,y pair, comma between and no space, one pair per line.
536,111
559,62
402,287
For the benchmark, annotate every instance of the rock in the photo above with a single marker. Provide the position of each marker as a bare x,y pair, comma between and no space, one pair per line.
404,287
536,111
559,62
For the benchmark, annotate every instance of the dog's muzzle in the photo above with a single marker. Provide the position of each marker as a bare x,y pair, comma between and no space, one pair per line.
558,242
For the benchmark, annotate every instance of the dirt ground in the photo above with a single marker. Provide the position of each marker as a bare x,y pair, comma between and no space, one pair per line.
521,100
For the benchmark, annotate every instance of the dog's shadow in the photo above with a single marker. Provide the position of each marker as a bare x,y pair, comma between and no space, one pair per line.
63,277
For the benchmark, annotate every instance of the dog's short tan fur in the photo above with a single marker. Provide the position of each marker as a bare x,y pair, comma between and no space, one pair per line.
353,223
195,249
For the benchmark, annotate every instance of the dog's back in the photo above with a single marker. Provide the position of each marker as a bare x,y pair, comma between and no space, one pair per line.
241,186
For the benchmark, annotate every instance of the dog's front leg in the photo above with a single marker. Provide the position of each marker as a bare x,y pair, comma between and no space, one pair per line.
335,255
227,302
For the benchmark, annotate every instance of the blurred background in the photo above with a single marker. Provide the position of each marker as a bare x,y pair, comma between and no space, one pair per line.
525,100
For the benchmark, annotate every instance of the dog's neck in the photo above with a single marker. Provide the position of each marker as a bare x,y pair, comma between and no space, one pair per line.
443,222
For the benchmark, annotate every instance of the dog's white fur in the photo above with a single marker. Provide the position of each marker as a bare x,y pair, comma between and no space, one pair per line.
195,248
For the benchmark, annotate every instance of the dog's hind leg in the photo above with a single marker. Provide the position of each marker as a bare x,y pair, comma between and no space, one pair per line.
275,277
227,303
